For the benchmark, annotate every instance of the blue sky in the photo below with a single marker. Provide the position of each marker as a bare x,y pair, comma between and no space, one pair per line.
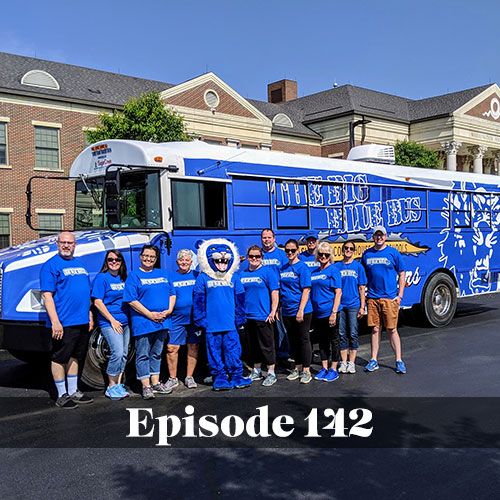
412,49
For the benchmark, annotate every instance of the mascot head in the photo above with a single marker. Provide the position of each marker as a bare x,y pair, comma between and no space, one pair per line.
218,258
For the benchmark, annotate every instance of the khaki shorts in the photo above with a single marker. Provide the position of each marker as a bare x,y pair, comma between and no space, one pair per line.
382,311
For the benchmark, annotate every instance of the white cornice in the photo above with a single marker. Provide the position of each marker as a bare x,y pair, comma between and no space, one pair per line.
212,77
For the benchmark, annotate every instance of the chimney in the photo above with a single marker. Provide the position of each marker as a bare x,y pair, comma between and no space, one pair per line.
282,91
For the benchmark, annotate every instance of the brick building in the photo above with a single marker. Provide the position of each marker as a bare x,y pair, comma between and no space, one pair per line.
45,108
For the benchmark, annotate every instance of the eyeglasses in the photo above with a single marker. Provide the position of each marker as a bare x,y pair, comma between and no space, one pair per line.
252,256
221,261
66,243
148,257
111,259
291,250
348,249
322,254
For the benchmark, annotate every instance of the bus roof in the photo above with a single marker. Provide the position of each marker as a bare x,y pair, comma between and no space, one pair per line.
94,160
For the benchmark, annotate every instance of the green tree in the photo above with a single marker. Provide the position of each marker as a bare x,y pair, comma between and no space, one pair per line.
413,154
143,119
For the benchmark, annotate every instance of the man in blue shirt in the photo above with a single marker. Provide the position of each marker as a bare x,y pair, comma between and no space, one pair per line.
386,282
65,286
276,257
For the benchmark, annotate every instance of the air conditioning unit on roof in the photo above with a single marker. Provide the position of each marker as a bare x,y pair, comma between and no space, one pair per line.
374,153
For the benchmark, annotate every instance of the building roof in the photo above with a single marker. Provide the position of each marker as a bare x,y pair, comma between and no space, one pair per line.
76,82
112,89
296,115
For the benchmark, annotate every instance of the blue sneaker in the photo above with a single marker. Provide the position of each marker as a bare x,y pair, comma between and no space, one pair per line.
321,375
123,391
331,375
221,383
371,366
400,367
113,392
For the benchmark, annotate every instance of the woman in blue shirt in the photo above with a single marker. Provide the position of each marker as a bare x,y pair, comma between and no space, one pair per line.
112,317
353,306
295,286
326,291
261,298
151,297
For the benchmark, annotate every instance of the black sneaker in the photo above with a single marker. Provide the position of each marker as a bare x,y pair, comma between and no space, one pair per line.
80,398
66,402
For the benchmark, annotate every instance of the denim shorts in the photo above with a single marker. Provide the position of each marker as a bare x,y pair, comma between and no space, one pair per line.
182,334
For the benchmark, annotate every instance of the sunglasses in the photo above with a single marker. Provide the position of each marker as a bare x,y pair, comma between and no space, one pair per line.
291,250
252,256
322,254
111,259
221,261
348,249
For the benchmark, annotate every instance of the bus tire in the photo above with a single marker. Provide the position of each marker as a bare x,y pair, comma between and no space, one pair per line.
439,301
93,373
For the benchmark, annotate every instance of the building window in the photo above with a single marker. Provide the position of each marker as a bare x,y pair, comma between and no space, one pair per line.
4,230
49,224
47,148
211,99
3,143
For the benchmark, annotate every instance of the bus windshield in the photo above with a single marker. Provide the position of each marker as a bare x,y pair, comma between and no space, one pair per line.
140,205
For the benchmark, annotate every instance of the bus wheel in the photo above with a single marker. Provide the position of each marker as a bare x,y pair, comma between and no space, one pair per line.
439,300
94,369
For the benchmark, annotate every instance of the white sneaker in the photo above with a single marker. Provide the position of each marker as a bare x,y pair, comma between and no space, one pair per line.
342,367
351,367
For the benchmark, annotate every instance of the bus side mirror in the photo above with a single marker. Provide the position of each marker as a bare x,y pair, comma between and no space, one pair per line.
112,190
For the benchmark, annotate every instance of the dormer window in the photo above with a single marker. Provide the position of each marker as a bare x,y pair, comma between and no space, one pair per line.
282,120
39,78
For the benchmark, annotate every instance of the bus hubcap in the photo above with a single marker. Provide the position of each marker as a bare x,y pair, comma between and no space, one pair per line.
441,300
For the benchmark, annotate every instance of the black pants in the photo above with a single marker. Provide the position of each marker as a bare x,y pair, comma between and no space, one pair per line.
298,336
260,335
328,339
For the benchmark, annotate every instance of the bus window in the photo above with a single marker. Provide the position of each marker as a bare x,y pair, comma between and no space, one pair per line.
89,204
199,205
139,200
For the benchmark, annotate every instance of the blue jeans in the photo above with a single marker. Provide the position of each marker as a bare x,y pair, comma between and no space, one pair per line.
148,349
118,345
348,327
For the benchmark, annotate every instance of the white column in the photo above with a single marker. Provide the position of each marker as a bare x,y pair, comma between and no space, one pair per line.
451,148
496,159
478,153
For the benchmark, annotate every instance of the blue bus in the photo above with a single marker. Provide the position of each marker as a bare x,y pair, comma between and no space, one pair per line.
176,195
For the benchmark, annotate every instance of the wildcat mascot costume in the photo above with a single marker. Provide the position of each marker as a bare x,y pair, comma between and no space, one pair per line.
219,307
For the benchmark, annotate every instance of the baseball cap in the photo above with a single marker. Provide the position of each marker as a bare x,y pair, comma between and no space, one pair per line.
379,228
311,234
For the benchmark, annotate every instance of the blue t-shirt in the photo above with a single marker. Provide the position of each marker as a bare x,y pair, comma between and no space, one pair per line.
110,289
220,301
294,278
69,282
309,259
382,270
323,285
275,259
184,285
258,286
153,290
353,275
